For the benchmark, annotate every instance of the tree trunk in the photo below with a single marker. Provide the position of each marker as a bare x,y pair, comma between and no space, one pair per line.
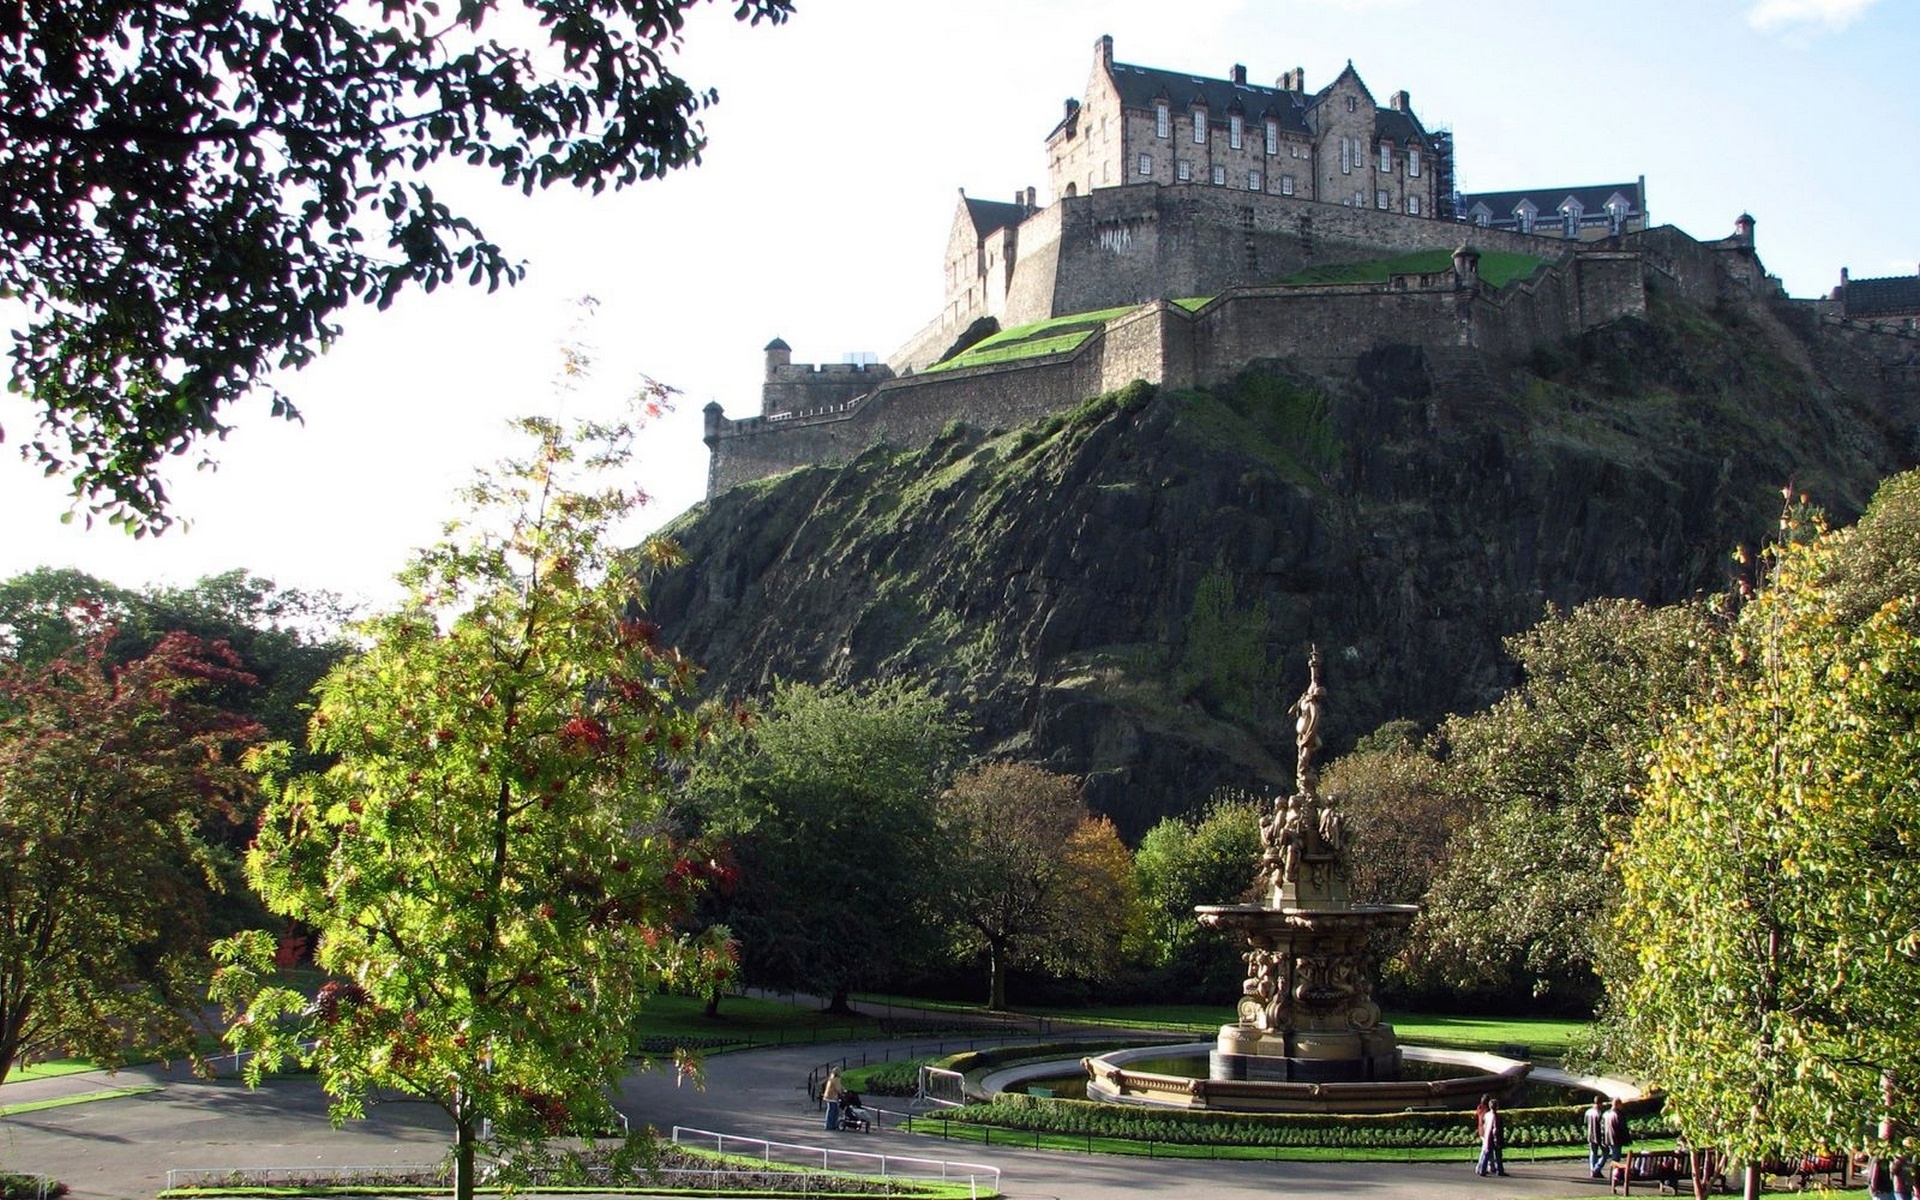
712,1010
837,1003
996,980
1750,1185
464,1144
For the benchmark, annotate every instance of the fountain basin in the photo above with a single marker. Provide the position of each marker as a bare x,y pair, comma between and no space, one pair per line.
1110,1080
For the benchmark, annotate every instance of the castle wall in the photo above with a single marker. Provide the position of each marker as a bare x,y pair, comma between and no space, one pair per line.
798,387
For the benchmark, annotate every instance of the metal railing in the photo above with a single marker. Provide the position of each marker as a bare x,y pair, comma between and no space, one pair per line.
980,1178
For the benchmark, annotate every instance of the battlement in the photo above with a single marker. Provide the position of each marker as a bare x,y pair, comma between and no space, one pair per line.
1322,327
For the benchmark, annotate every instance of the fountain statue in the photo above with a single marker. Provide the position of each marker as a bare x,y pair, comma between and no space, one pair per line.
1307,1013
1309,1036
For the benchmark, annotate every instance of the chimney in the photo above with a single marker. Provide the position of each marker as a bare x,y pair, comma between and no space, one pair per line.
1399,102
1300,79
1240,74
1030,197
1103,50
1073,106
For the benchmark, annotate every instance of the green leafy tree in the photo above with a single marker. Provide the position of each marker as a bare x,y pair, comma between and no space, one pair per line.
110,776
194,192
487,861
1545,783
50,610
1183,862
827,800
1767,946
1009,830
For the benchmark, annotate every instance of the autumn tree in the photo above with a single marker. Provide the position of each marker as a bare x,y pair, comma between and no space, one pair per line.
826,798
195,192
1767,945
1014,836
487,862
111,774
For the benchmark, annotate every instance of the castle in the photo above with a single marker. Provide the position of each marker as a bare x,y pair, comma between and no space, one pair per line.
1176,187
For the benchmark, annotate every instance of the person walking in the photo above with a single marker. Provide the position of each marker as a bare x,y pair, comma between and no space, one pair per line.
1597,1137
1880,1178
832,1092
1614,1134
1492,1141
1902,1177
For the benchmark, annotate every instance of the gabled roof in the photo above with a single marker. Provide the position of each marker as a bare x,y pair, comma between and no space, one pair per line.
989,215
1895,295
1139,87
1593,199
1398,125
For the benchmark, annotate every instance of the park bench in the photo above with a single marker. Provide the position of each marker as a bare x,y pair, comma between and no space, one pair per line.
1666,1168
1829,1170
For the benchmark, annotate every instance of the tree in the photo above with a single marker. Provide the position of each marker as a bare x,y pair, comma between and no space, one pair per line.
487,861
1010,830
1181,863
1767,952
827,799
1544,780
48,611
110,776
194,192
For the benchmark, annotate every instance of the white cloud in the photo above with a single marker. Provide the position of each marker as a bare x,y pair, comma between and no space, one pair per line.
1780,14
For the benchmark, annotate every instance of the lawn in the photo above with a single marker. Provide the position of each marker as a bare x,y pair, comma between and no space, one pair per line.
1497,267
666,1021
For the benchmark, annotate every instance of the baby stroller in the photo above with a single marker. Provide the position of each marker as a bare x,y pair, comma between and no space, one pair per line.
853,1116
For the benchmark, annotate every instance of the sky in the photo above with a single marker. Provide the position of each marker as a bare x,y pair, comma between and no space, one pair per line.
821,209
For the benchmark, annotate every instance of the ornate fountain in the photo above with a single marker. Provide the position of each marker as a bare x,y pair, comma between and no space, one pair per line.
1307,1013
1309,1035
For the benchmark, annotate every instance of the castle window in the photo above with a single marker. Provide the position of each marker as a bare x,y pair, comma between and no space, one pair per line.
1526,219
1359,199
1219,175
1235,130
1346,156
1386,160
1146,164
1273,137
1286,185
1482,218
1380,199
1253,181
1353,104
1162,120
1199,125
1413,162
1183,171
1413,206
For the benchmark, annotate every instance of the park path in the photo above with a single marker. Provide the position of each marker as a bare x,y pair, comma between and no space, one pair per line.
121,1149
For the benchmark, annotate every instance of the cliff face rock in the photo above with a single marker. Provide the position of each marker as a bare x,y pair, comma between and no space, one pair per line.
1128,591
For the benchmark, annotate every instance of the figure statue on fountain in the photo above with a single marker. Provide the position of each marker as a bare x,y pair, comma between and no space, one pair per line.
1303,857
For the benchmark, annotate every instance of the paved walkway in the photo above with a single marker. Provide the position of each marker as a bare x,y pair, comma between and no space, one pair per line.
122,1148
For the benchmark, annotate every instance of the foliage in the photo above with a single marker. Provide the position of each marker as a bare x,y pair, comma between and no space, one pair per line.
1767,934
110,778
486,862
1223,661
1546,777
1526,1127
827,799
1183,862
1100,905
28,1187
48,611
1008,829
196,191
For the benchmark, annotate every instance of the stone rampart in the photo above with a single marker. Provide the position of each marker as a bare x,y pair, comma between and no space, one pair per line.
1323,327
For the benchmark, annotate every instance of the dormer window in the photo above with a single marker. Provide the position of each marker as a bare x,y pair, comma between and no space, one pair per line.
1199,125
1162,119
1273,137
1235,130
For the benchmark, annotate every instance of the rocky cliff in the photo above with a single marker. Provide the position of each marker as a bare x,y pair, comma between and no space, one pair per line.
1127,591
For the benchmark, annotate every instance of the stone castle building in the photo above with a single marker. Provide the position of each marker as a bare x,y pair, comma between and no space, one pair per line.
1211,191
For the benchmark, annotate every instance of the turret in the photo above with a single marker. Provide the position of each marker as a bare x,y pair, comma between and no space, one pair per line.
1466,266
779,354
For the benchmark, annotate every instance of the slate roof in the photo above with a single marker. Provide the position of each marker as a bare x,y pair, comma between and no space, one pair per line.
1139,87
1893,296
1548,201
989,215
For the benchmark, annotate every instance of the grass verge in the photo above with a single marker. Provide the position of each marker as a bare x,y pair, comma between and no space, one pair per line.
31,1106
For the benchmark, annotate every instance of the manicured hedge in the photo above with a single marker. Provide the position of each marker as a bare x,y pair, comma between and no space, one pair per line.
1526,1127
